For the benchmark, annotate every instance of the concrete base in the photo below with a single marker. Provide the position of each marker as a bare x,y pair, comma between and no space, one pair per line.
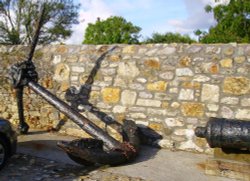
152,164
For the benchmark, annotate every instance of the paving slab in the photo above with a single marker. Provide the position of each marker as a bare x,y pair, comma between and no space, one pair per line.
152,164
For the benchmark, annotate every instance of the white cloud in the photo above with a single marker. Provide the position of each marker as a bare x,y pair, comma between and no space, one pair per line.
197,17
90,10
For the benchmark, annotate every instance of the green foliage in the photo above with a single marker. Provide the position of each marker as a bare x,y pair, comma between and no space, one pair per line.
233,23
169,38
19,18
112,30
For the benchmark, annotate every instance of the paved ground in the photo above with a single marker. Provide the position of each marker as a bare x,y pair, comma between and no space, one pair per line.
39,159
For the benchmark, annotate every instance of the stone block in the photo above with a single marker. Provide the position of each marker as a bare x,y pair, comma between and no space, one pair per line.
128,70
155,126
245,102
157,86
230,100
186,94
129,49
191,85
227,112
185,61
192,109
148,103
128,97
167,75
240,59
78,69
174,122
226,63
236,85
201,78
119,109
62,72
213,107
184,72
152,63
210,93
243,114
228,51
111,95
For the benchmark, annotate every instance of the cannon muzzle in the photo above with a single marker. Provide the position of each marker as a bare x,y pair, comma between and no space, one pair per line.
226,133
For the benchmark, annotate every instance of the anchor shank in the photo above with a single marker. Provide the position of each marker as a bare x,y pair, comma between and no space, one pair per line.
75,116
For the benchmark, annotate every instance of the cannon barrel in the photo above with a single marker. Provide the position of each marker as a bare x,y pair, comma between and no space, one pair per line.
226,133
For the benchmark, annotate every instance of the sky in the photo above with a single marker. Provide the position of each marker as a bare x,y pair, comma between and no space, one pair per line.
161,16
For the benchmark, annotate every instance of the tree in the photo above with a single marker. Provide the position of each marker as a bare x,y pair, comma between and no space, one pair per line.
233,23
169,38
19,17
112,30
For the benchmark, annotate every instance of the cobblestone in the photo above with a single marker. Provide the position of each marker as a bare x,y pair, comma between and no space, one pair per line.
23,167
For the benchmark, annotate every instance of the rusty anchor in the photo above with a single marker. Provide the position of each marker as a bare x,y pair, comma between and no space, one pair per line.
102,148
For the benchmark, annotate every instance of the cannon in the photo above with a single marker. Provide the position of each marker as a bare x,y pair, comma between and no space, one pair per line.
226,133
102,148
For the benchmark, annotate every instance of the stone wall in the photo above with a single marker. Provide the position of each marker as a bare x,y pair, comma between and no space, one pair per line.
170,88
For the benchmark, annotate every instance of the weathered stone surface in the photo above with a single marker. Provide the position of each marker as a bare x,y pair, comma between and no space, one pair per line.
57,59
157,112
236,85
172,122
194,49
153,63
184,72
185,61
189,145
145,95
212,107
165,143
129,49
115,58
213,49
141,80
167,75
228,51
137,115
148,103
201,78
157,86
192,109
175,105
245,102
119,109
111,95
167,51
240,59
210,93
62,49
191,85
155,126
62,72
128,97
243,114
210,67
230,100
226,63
186,94
226,112
128,70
